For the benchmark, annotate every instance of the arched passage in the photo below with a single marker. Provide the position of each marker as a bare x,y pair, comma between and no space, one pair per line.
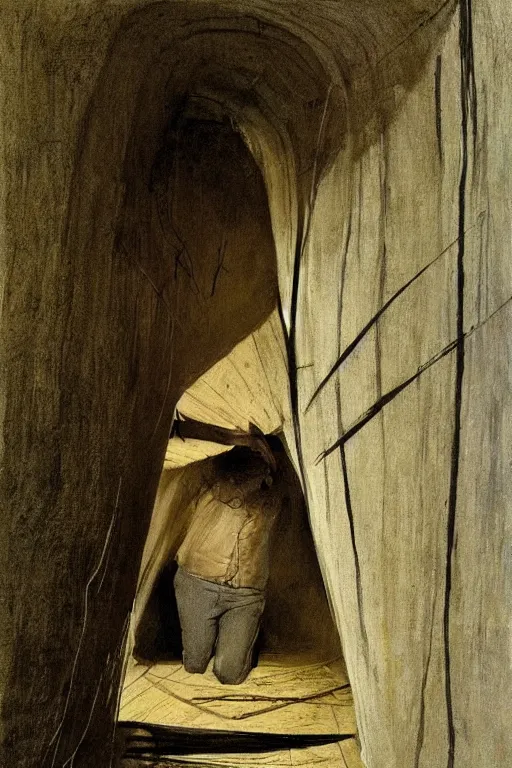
112,330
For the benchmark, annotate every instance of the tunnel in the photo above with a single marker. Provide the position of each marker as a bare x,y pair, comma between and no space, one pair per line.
297,685
178,178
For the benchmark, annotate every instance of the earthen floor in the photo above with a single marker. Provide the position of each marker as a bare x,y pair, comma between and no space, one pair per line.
282,695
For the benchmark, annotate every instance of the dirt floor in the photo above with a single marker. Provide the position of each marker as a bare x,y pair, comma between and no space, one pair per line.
294,695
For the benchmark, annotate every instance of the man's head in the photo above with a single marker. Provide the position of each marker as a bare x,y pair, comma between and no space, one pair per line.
242,467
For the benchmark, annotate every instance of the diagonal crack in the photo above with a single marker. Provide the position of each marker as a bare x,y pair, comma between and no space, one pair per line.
374,409
383,401
369,325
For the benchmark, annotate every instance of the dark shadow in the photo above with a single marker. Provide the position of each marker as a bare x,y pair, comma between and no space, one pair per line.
159,740
159,636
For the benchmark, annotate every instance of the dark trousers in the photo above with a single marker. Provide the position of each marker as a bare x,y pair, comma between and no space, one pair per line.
221,617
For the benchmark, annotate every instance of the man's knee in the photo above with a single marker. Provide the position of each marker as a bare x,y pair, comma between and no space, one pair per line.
195,666
230,671
196,658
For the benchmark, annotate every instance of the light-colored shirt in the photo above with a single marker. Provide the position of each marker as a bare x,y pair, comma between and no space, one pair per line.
228,541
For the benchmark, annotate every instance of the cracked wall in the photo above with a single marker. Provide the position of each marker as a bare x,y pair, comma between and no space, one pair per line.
382,134
408,465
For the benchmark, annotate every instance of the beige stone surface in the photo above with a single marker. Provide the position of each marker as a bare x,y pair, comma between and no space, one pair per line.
423,654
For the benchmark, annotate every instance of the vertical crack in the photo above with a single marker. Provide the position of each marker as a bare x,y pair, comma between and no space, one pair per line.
468,110
439,110
421,725
357,565
343,458
302,235
291,349
383,182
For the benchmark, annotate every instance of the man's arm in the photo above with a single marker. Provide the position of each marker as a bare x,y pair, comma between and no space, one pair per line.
198,430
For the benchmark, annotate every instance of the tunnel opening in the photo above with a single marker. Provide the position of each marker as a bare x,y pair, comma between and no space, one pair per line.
298,685
297,671
209,209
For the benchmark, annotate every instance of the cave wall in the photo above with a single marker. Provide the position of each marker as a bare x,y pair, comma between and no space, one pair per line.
104,320
410,240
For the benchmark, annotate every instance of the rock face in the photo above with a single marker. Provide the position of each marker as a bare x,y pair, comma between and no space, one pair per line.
134,278
404,417
137,249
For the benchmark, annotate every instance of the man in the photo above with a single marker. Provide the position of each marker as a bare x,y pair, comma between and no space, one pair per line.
223,565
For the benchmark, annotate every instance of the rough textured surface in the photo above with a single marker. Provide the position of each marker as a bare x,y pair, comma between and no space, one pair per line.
411,506
248,386
382,130
316,699
104,322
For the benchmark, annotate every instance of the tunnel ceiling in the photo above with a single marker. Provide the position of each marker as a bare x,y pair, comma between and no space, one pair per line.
294,68
299,79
